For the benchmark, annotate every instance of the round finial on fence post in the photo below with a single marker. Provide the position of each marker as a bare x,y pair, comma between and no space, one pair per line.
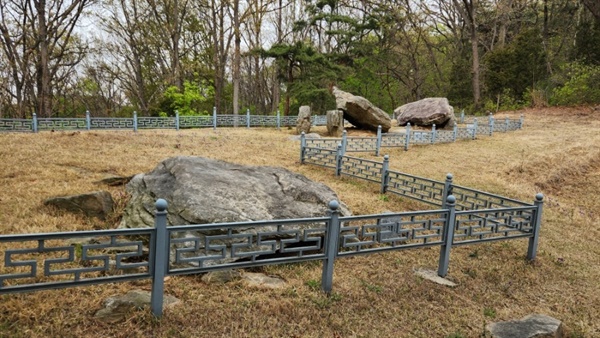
449,177
334,205
161,205
450,200
539,197
386,157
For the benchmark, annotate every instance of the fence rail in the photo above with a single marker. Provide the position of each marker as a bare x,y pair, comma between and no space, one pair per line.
176,122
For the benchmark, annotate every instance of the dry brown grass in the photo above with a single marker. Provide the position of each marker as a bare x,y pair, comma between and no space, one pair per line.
374,296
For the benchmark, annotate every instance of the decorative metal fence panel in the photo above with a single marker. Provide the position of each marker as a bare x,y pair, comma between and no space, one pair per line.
444,136
263,121
361,144
361,168
195,121
156,122
375,233
514,124
471,199
288,121
325,143
483,129
54,260
56,123
493,224
418,188
462,133
421,137
319,120
201,248
393,140
231,120
111,123
16,125
321,157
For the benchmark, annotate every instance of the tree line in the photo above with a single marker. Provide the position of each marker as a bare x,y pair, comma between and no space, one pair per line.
111,57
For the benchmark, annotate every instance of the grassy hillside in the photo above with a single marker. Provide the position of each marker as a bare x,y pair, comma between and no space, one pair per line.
557,153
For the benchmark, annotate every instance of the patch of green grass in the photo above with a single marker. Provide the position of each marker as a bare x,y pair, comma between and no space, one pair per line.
489,312
313,284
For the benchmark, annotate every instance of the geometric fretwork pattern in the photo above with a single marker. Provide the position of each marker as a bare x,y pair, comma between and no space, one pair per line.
471,199
44,261
201,247
325,143
156,122
367,234
320,156
420,137
444,136
393,140
483,226
421,189
61,123
464,133
195,121
111,123
16,125
361,168
361,144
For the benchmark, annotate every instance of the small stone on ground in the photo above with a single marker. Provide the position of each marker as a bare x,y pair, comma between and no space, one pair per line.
433,276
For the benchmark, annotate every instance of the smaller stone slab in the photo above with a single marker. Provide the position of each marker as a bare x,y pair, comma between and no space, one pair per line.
307,136
95,204
433,276
260,280
221,276
535,325
113,181
335,123
118,307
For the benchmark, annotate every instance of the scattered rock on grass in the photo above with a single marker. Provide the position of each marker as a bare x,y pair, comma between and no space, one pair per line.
535,325
95,204
433,276
118,307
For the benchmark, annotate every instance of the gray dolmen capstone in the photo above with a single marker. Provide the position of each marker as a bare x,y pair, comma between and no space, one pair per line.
360,112
426,112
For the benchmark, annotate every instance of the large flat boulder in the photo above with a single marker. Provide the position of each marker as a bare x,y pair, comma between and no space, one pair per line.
201,190
360,112
426,112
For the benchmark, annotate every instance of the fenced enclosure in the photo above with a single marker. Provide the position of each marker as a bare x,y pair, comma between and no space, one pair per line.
134,123
108,256
411,136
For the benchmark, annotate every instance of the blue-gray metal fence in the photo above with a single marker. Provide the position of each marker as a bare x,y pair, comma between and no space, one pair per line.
33,262
176,122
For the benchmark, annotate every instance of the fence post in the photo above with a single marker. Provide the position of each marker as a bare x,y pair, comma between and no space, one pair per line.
407,138
34,122
448,236
537,222
214,118
378,144
462,116
447,189
302,146
338,160
160,258
491,124
135,122
455,134
177,120
88,120
248,118
433,133
506,124
474,131
521,122
331,246
278,121
385,174
344,141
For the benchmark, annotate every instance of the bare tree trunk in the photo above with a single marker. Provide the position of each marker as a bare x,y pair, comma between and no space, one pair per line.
236,60
468,11
276,84
44,94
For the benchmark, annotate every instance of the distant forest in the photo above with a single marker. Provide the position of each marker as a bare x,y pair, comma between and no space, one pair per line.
60,58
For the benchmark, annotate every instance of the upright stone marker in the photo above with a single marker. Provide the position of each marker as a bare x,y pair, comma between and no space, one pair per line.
335,123
303,122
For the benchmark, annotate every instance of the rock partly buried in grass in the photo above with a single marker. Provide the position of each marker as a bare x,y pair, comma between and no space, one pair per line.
95,204
115,180
200,190
118,307
536,325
